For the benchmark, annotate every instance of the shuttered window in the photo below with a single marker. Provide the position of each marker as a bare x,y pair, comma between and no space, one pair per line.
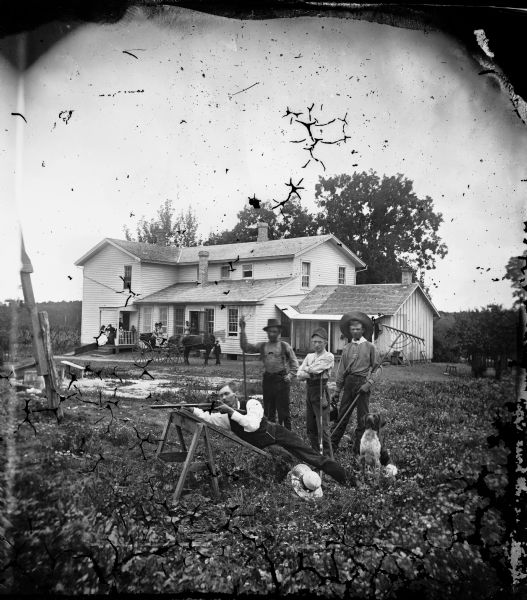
146,321
233,322
127,279
306,272
163,318
209,320
179,320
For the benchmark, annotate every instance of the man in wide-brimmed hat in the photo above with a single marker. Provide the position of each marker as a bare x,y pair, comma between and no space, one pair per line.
280,365
354,374
315,370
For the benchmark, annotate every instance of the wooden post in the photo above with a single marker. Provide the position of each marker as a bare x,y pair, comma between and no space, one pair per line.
51,379
41,338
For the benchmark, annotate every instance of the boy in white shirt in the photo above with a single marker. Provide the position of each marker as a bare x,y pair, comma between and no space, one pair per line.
315,370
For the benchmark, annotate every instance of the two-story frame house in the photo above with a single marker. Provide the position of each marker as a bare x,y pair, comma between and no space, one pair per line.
208,288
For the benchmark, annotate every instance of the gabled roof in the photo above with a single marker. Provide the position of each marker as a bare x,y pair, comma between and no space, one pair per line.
238,291
221,253
371,298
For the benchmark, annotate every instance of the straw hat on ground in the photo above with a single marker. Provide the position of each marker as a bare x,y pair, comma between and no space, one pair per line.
306,483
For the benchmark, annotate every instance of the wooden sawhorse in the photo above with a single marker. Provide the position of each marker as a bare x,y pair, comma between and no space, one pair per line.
184,420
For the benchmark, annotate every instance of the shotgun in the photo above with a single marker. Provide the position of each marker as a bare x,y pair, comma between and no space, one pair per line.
206,405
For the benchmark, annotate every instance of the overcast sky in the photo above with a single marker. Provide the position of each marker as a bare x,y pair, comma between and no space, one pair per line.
166,125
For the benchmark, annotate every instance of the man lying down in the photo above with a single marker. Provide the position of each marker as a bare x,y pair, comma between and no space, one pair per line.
252,426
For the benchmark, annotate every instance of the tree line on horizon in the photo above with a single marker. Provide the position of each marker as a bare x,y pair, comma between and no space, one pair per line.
380,219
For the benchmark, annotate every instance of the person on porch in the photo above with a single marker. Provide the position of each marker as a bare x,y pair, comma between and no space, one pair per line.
315,371
280,365
358,363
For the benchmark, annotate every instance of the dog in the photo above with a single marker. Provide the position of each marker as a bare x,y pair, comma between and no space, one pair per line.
370,444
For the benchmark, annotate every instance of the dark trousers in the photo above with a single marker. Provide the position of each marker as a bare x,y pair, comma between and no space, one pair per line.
352,384
294,444
314,417
276,398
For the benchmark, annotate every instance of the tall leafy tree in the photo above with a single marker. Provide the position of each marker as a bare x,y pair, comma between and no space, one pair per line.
383,221
517,277
293,221
167,229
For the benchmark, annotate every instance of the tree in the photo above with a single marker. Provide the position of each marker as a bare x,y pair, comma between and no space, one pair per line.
166,230
490,332
295,221
383,221
513,271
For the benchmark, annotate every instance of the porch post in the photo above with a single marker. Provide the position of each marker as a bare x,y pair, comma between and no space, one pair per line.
292,333
329,336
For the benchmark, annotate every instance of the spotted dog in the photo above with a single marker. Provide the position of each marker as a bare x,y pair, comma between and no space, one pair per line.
370,444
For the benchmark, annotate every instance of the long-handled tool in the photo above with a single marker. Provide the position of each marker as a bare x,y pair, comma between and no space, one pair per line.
347,412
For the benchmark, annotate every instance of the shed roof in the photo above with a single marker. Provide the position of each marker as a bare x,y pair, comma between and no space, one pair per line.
371,298
223,292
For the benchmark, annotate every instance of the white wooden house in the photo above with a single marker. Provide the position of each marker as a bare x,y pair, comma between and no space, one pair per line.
209,287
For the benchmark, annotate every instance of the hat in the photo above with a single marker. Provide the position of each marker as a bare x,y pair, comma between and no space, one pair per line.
273,323
321,332
306,483
362,318
390,470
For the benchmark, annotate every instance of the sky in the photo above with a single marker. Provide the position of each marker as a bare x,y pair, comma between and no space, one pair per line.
174,122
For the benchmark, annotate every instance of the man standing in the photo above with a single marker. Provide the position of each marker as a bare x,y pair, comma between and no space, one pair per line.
249,423
358,363
217,351
315,370
280,364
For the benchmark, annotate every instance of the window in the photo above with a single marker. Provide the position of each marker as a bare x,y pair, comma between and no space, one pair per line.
233,322
209,320
127,279
163,318
342,275
306,270
146,323
247,270
179,320
225,273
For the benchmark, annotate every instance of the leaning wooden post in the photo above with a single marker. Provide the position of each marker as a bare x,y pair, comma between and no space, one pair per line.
41,340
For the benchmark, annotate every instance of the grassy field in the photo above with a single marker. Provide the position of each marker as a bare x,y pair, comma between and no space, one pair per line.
90,508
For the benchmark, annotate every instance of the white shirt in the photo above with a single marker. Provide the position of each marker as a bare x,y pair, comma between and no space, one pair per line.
361,341
250,422
314,364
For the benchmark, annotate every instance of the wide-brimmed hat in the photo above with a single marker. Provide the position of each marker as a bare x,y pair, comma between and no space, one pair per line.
362,318
321,332
306,483
273,323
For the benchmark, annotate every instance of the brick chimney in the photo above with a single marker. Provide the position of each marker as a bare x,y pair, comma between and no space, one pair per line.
407,276
263,232
203,269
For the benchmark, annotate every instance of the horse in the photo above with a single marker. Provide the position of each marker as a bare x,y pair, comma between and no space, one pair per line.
202,341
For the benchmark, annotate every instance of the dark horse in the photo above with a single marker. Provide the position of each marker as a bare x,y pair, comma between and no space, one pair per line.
202,341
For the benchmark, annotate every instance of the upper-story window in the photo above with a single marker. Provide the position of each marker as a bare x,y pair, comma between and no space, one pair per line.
225,272
306,272
247,270
127,279
342,275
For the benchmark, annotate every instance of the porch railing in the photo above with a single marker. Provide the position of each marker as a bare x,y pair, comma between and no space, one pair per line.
127,337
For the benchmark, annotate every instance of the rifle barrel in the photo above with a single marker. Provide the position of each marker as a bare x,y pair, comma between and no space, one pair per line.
201,405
